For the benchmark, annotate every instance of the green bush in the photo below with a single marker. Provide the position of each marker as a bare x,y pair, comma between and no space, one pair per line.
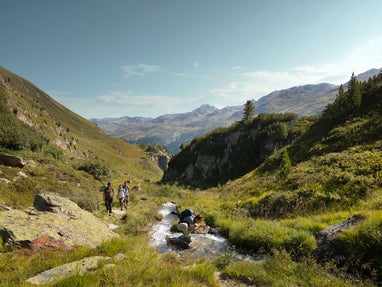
14,134
96,168
54,152
37,172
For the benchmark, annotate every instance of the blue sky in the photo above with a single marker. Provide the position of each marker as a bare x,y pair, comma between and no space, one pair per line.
151,57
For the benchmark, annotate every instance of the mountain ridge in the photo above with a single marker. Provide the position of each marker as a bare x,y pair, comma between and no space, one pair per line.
328,172
173,130
76,137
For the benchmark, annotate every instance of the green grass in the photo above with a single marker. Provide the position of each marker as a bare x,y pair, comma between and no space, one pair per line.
334,173
266,235
139,265
281,271
362,246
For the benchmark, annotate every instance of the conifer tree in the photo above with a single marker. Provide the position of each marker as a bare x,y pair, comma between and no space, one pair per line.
248,111
354,95
340,103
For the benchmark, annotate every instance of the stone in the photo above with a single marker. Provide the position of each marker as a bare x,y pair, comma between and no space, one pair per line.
326,250
11,160
20,175
56,217
4,180
45,241
79,267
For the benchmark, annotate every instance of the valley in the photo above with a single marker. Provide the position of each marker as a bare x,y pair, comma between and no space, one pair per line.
303,193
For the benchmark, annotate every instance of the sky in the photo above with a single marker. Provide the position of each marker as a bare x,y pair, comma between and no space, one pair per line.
114,58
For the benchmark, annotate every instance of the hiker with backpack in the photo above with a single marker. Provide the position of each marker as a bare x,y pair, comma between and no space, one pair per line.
108,195
189,222
127,194
121,196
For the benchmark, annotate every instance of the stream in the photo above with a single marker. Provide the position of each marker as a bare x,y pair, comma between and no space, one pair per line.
209,246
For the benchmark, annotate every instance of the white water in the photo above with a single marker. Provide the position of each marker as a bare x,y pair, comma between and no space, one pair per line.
161,229
203,245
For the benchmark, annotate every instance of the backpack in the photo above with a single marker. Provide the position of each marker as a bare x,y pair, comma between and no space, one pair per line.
185,213
109,192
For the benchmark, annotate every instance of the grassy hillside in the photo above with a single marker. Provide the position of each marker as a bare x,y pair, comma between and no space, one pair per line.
228,153
72,154
328,171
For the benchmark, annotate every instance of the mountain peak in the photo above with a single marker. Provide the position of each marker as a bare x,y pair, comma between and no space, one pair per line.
204,109
369,73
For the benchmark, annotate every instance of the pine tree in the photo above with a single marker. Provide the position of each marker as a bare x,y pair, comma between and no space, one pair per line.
354,95
248,111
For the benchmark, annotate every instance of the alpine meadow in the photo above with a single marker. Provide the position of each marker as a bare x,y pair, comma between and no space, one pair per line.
300,196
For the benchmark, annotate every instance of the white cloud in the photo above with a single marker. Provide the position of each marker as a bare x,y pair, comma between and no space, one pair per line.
68,99
255,84
59,94
365,56
237,68
140,70
130,99
178,74
196,65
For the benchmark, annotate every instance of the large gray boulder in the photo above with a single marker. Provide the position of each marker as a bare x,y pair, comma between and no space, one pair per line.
11,160
56,218
70,269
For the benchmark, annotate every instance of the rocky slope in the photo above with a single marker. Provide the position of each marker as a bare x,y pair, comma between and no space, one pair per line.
230,153
169,130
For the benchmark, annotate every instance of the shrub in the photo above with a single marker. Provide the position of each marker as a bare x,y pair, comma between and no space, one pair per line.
37,172
96,168
55,152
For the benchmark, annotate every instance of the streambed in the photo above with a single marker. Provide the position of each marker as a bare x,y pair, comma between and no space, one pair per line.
207,246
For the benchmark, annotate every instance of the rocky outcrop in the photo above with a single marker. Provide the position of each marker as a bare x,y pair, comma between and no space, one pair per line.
55,218
326,250
158,154
70,269
163,162
230,153
11,160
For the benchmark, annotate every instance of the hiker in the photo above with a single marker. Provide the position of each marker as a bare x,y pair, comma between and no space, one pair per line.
108,196
127,194
121,196
189,222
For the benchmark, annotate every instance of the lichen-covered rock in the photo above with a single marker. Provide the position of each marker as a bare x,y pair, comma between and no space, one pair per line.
45,241
70,269
56,217
48,202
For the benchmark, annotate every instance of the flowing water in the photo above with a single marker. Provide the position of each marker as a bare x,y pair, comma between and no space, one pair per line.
207,246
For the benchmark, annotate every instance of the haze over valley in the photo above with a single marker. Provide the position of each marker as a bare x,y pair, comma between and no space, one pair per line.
173,130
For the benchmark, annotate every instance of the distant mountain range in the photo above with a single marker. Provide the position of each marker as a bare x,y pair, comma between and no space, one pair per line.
172,130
